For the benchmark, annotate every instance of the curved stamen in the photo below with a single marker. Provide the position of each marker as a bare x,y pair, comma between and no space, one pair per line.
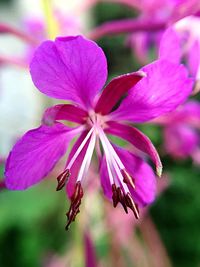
110,175
112,151
126,176
118,165
111,166
64,176
78,192
120,193
87,159
69,165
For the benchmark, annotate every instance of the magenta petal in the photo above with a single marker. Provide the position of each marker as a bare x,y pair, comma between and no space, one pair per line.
139,43
137,139
90,254
188,114
170,46
77,164
104,178
194,59
165,86
145,181
71,68
64,112
35,154
180,140
184,8
191,113
117,88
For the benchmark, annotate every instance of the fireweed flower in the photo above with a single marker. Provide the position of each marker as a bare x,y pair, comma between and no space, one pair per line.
164,12
75,69
183,38
145,33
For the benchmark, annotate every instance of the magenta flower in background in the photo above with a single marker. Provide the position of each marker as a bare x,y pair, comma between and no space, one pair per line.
182,132
145,33
183,38
75,69
90,253
35,30
36,26
164,12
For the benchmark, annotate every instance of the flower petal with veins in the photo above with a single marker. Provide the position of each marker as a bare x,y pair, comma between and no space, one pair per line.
71,68
35,154
64,112
165,86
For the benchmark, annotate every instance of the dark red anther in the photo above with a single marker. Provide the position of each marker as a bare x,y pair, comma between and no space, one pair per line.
118,196
115,196
121,198
125,199
62,179
75,204
132,205
127,178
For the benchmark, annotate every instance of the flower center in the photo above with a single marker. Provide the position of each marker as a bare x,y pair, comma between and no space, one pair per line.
120,180
96,119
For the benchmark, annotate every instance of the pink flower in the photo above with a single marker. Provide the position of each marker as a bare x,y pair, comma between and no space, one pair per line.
36,26
164,13
145,32
75,69
35,30
90,254
184,40
181,132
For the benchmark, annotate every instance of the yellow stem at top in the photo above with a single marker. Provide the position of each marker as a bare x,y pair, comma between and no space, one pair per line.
52,26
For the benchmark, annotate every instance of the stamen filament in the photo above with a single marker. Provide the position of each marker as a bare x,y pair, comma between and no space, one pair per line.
119,175
112,158
108,159
111,178
87,159
112,151
78,151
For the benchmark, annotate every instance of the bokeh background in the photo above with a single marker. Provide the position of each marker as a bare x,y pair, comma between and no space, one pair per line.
32,222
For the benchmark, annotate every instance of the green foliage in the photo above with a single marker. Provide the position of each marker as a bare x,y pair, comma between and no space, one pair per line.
177,214
32,225
104,12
